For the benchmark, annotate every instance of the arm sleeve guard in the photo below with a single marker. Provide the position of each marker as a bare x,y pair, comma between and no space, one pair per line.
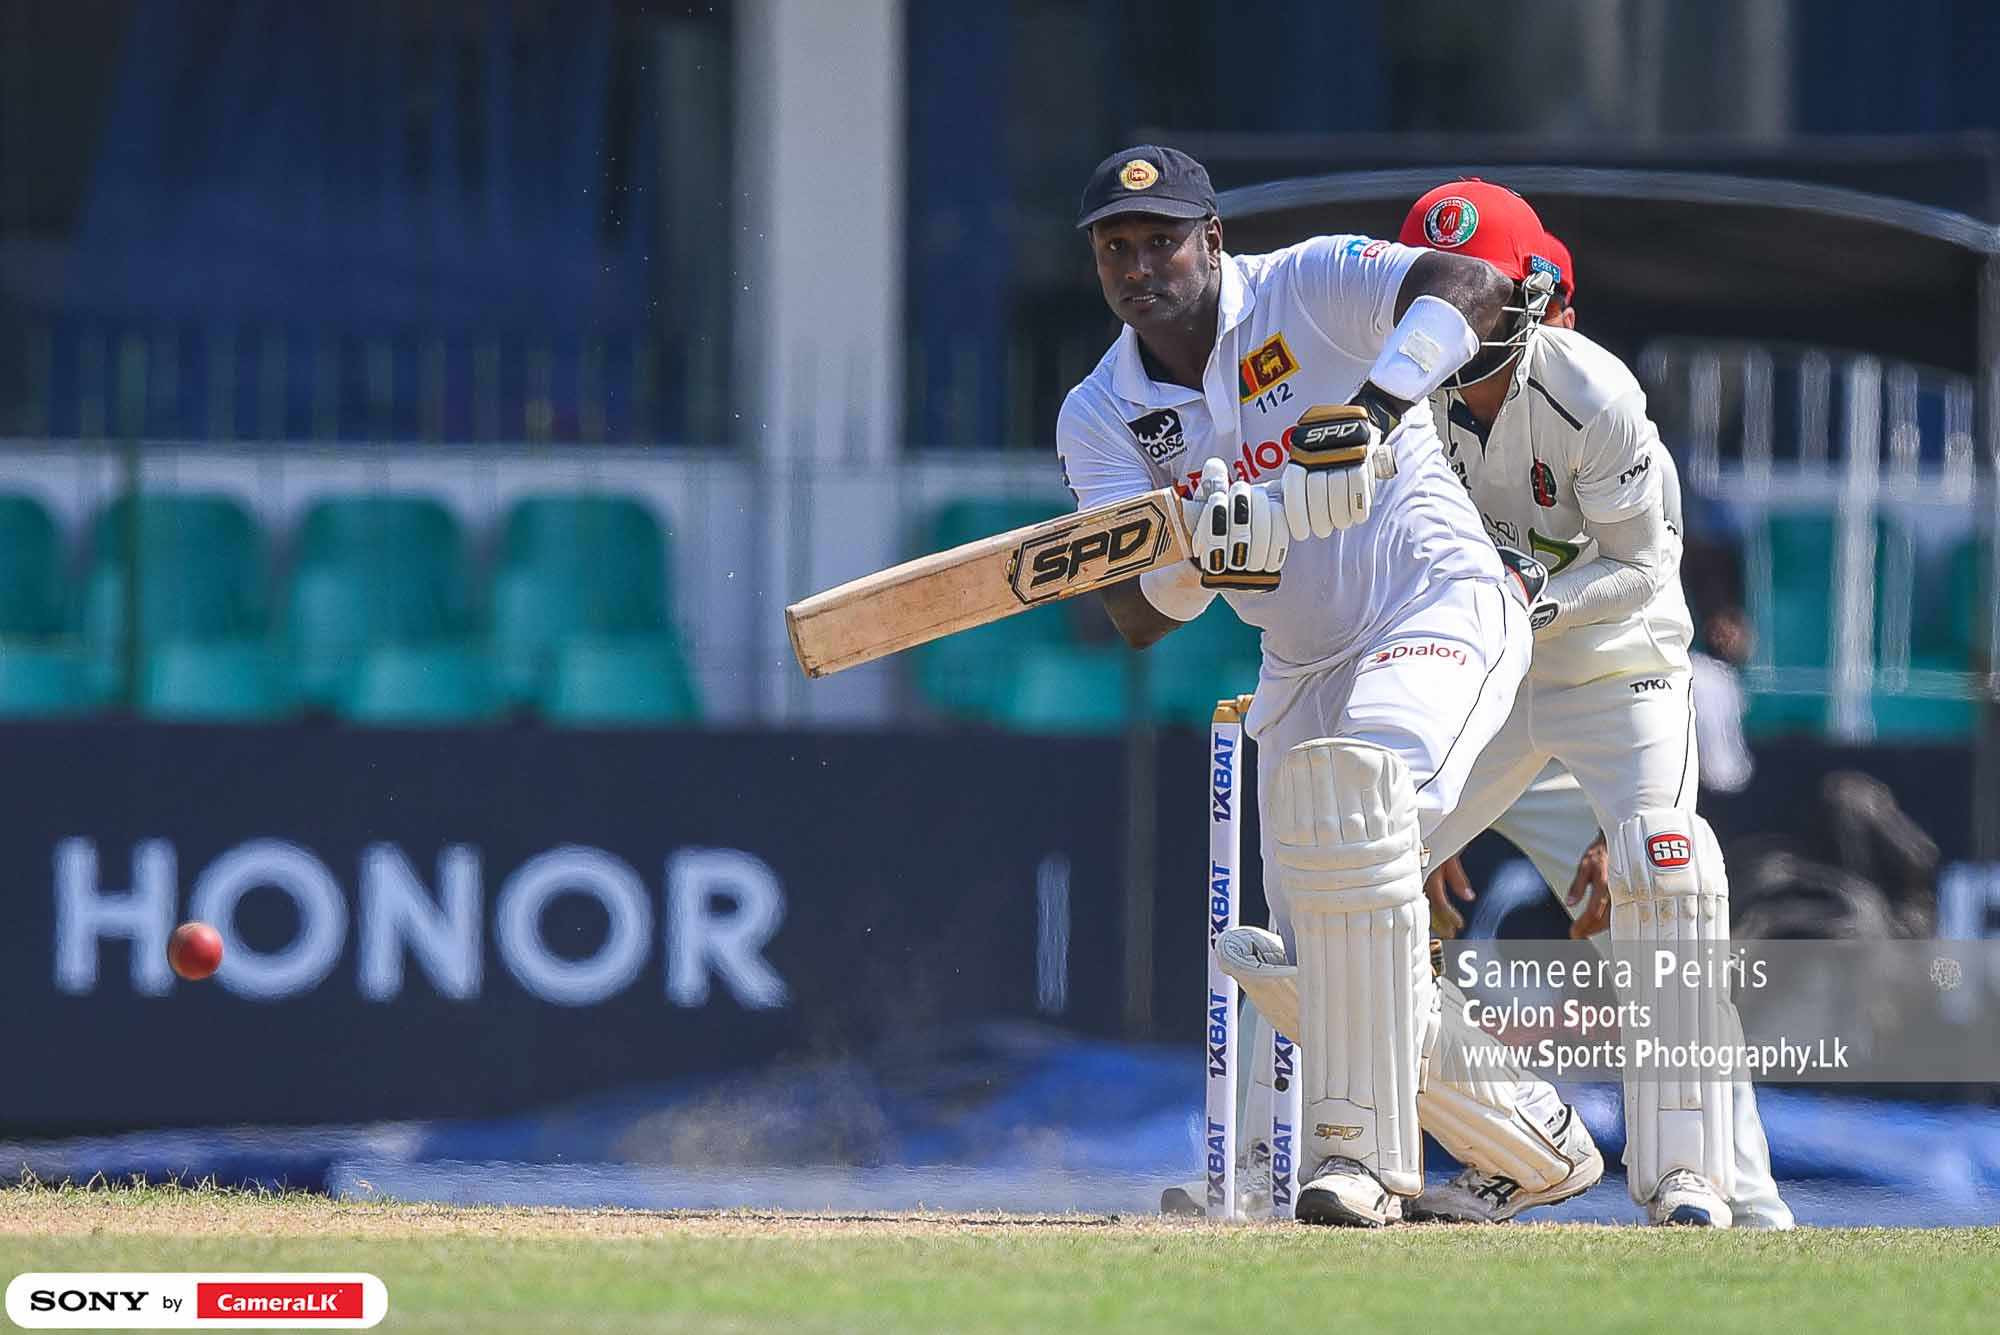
1635,559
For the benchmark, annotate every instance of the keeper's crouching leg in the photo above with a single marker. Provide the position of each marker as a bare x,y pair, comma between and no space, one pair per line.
1350,863
1522,1146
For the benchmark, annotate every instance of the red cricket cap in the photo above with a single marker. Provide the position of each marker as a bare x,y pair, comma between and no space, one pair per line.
1558,254
1478,218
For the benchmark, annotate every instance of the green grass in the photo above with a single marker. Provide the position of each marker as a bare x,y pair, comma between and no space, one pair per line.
472,1270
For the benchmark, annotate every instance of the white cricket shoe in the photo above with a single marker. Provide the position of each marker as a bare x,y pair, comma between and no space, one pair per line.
1686,1197
1474,1197
1343,1193
1253,1194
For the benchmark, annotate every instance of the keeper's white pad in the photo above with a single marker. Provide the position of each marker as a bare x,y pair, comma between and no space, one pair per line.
1670,899
1350,861
1484,1113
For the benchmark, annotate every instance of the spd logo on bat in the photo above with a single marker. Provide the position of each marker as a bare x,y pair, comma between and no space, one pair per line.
1670,850
1084,556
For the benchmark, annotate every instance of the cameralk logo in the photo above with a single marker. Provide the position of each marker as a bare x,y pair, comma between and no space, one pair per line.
193,1301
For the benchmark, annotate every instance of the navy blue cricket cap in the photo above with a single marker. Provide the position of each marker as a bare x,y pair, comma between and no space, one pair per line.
1163,182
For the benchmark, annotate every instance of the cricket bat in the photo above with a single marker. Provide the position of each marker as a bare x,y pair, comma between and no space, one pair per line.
980,582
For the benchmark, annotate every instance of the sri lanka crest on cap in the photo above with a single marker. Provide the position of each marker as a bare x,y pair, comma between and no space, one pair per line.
1451,221
1138,174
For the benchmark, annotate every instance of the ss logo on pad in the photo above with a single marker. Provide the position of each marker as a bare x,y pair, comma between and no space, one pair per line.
1670,850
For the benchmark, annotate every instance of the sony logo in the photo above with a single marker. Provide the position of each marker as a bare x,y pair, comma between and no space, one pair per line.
85,1300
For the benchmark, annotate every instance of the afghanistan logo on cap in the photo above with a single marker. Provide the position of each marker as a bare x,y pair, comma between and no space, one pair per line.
1451,221
1139,174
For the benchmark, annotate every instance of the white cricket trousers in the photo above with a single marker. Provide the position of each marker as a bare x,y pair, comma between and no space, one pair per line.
1434,688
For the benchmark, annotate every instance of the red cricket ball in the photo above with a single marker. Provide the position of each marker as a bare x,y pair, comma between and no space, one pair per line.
195,951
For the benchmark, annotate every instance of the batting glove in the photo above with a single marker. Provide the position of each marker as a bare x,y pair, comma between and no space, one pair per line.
1237,532
1338,453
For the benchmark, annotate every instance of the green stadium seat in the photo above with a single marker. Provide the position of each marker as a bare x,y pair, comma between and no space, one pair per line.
31,574
969,675
1953,631
1067,689
960,522
1797,622
626,679
371,568
1211,657
44,681
365,529
1767,715
201,574
217,680
1945,636
590,530
404,685
331,618
574,566
1915,718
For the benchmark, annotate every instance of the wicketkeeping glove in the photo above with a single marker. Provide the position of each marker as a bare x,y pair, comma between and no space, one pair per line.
1528,578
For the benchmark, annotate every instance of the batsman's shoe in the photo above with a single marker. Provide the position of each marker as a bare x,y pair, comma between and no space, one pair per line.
1686,1197
1343,1193
1253,1194
1474,1197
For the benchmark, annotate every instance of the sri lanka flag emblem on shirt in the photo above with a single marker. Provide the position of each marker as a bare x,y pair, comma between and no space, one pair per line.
1270,363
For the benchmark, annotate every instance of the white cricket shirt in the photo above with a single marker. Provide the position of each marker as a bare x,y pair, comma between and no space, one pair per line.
1297,327
1573,447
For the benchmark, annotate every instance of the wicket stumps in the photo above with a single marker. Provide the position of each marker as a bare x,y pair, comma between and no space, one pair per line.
1225,739
1225,847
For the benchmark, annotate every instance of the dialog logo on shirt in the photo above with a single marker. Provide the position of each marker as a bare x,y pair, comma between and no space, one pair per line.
1159,434
1399,652
1255,461
1270,363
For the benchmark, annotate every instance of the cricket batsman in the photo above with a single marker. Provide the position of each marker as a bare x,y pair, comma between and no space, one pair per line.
1286,396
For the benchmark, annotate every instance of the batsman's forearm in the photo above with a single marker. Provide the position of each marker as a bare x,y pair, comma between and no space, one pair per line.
1140,624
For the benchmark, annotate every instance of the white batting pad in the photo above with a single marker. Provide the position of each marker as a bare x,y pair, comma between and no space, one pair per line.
1350,861
1670,899
1484,1113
